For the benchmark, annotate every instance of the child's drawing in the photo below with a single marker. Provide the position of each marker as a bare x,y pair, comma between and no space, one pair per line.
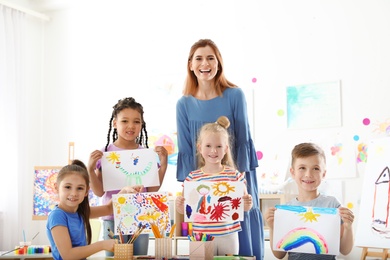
380,209
374,226
207,201
131,210
45,195
340,160
129,167
307,230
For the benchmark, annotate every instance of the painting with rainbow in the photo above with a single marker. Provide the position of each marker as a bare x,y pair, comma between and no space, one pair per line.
307,230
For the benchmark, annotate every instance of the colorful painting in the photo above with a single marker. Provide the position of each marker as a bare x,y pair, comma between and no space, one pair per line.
340,160
374,219
169,143
307,230
272,170
130,167
208,201
132,210
314,105
45,196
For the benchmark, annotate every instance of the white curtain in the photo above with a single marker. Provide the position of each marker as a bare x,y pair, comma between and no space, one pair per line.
12,95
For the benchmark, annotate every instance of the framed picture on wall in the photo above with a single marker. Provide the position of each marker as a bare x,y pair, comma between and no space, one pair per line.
314,105
45,197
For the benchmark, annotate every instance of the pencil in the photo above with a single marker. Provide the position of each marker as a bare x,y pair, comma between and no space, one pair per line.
120,235
155,230
172,230
110,234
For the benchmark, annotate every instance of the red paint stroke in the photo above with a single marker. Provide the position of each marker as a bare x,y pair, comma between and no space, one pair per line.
219,212
163,207
236,203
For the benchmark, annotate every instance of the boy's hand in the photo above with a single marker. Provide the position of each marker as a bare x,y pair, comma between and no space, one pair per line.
247,202
270,217
347,217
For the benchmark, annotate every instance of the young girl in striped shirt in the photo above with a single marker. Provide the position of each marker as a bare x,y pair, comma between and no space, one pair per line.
215,163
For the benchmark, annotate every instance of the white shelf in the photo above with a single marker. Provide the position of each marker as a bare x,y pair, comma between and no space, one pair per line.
270,200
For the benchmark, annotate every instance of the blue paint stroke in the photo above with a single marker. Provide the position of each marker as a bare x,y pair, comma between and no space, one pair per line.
302,209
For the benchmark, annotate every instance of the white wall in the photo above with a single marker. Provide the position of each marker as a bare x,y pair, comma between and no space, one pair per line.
95,55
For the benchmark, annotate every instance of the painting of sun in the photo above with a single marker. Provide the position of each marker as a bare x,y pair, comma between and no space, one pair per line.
306,230
213,201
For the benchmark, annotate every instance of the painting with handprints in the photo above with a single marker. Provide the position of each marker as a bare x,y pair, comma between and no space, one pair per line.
374,217
218,201
129,167
307,230
132,210
45,196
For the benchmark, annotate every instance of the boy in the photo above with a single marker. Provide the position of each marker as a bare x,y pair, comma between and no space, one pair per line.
308,168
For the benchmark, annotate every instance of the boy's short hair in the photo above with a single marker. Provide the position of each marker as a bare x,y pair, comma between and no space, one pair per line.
304,150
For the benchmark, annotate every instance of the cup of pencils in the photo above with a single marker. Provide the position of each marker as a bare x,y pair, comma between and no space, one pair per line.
163,243
123,251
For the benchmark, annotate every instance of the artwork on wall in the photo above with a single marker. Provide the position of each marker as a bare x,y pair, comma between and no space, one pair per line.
132,210
314,105
272,170
373,229
213,201
45,196
307,230
340,159
129,167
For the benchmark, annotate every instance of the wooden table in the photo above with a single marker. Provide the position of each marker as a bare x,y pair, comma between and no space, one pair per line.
49,257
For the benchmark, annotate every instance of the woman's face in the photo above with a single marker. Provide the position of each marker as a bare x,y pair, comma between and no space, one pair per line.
204,64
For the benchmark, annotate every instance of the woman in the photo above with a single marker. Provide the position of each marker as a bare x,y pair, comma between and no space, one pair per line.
208,95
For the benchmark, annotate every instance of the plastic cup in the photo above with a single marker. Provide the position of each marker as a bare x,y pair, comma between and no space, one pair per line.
24,247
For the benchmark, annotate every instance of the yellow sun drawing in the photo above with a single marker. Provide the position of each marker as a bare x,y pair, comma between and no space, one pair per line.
222,189
121,200
113,157
309,216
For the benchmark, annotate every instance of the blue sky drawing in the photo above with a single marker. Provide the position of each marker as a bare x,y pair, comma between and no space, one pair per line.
314,105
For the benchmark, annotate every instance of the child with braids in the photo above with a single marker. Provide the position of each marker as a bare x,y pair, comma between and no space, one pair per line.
215,163
68,227
129,133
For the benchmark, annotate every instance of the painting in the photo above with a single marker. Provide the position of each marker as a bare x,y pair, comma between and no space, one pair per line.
213,201
307,230
130,167
373,228
314,105
340,160
132,210
45,196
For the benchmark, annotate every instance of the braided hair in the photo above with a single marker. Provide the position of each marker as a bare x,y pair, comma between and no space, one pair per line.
128,102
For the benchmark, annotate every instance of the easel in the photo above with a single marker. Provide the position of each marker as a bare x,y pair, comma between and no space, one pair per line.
70,152
384,254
